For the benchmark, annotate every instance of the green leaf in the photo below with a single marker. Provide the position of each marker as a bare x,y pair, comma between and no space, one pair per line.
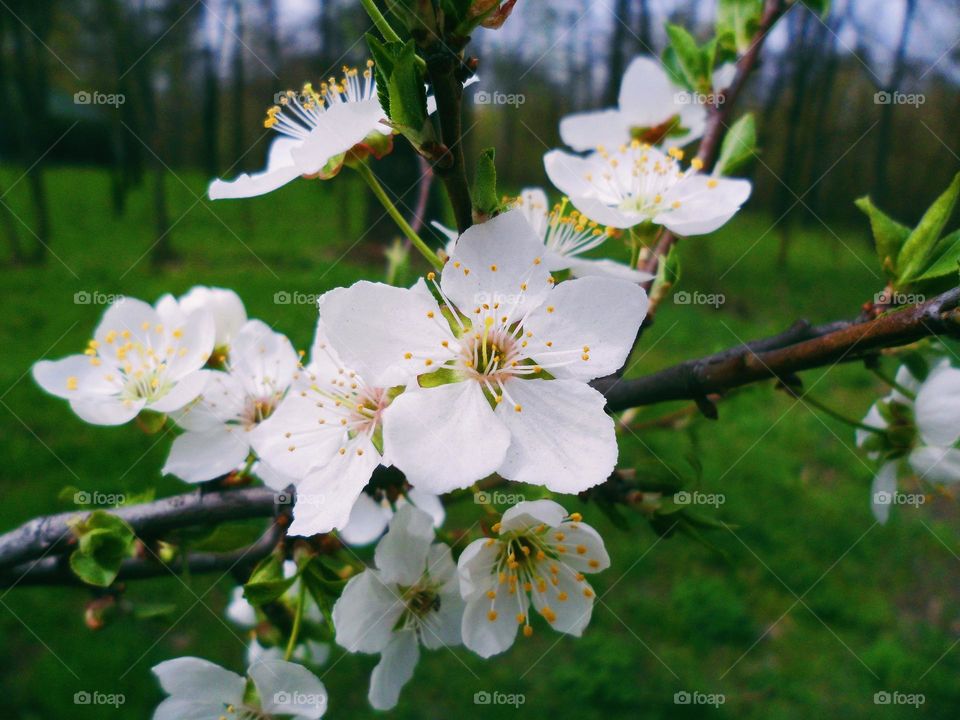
225,538
739,145
888,234
384,56
671,63
738,19
485,198
689,57
918,247
104,541
267,582
946,259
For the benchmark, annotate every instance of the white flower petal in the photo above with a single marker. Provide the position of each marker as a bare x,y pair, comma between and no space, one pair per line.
240,611
499,261
225,305
57,377
326,495
187,389
530,513
591,324
264,359
280,170
535,208
286,688
368,520
585,550
589,267
296,424
938,407
444,438
475,568
192,678
336,130
488,637
373,327
587,130
401,556
200,456
562,438
179,709
569,174
706,204
397,663
106,410
647,95
365,613
429,503
570,603
442,628
936,464
882,490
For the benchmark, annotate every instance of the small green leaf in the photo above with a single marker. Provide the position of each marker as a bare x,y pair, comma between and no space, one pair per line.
888,234
104,542
267,582
383,55
739,145
690,58
485,198
946,259
408,100
918,247
738,20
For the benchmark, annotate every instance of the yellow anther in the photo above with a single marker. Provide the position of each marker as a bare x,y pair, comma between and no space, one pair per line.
576,517
594,564
492,615
549,614
527,630
72,382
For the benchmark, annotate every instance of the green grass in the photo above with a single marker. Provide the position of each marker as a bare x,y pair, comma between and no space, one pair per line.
809,612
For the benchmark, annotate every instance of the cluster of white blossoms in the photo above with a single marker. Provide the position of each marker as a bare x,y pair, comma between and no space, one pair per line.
916,428
480,369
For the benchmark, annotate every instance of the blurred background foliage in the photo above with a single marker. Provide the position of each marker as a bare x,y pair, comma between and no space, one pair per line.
808,608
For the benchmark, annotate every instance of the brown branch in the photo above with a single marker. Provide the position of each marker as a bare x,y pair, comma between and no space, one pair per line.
802,347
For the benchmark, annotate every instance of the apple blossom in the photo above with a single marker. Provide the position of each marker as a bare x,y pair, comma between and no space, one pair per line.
918,425
259,368
324,436
502,366
637,183
140,358
316,129
411,598
540,554
369,517
651,108
202,690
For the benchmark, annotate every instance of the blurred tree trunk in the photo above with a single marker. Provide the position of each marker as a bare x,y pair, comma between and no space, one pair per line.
211,113
30,76
885,133
616,63
7,218
644,38
789,172
239,84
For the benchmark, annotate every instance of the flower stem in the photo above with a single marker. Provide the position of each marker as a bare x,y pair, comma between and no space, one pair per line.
807,400
383,25
367,174
893,383
297,621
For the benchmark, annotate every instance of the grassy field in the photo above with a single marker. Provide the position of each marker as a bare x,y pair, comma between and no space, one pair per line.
810,610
